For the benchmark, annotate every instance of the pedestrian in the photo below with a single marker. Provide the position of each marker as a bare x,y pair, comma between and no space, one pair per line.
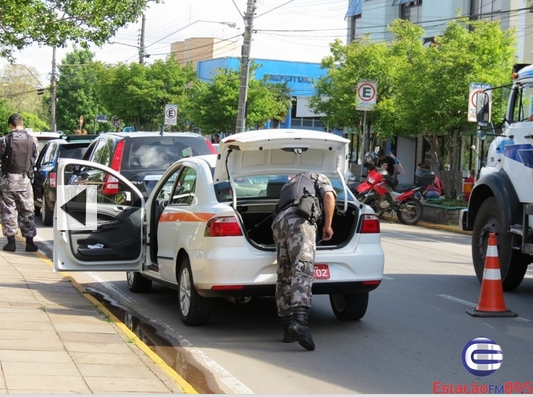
397,161
216,138
392,168
18,151
436,189
306,202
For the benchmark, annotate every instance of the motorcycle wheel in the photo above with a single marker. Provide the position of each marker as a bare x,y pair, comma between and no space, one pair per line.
410,211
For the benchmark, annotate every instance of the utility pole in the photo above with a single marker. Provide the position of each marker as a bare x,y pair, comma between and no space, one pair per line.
53,92
245,66
141,43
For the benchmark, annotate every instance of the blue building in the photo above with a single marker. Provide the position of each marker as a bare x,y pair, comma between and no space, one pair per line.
300,78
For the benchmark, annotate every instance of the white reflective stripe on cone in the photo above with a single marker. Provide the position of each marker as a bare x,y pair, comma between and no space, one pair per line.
491,274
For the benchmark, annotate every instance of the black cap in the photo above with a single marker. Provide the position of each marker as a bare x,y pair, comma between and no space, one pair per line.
15,119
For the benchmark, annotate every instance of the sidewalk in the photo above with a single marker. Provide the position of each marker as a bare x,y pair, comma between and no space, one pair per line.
56,340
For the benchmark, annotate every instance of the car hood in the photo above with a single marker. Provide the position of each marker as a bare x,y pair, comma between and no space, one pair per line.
280,151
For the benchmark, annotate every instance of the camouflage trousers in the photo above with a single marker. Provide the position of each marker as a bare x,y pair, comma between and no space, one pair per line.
295,246
17,210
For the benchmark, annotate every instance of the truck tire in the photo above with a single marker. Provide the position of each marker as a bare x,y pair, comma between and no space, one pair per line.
513,264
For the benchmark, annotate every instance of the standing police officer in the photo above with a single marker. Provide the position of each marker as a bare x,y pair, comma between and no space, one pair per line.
295,237
18,151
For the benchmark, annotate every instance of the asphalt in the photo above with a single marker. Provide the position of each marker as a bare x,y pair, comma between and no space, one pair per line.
57,339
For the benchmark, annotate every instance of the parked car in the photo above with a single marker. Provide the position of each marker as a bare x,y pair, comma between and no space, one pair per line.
142,157
205,229
44,136
45,171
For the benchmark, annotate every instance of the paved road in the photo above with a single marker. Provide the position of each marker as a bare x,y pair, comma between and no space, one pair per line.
411,338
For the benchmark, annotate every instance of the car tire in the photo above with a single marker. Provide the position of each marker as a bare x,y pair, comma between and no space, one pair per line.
194,309
46,215
513,264
137,282
349,307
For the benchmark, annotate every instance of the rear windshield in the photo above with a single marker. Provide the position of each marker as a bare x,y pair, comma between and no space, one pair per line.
72,151
158,153
265,186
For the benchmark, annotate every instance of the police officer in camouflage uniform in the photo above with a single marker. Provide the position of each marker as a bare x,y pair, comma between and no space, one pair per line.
295,238
18,151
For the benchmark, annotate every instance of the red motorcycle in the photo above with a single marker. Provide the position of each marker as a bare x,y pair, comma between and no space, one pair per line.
381,193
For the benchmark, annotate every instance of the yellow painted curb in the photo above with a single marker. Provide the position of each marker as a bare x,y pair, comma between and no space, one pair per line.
185,386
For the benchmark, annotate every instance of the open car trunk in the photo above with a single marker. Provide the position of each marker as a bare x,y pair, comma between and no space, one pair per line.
257,218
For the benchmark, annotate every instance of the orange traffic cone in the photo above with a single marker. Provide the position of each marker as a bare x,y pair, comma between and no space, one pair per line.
491,302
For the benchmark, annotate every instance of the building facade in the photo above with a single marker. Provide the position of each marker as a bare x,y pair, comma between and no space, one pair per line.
299,76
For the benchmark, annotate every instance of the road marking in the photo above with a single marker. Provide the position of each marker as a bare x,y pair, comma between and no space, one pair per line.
467,303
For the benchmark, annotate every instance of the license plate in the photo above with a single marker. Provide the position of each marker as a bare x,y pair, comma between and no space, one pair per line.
322,272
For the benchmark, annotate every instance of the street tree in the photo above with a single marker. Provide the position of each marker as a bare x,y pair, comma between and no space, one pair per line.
422,90
55,23
212,106
76,92
336,95
432,84
137,94
282,95
20,88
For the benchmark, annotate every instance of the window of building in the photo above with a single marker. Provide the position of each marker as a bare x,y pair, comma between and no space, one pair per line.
486,9
411,10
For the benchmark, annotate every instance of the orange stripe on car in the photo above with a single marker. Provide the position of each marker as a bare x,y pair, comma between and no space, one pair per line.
186,217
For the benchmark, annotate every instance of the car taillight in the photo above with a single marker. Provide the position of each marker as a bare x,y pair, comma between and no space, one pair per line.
210,146
52,176
222,226
370,224
111,184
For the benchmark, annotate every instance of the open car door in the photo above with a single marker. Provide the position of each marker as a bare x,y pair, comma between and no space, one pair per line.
98,220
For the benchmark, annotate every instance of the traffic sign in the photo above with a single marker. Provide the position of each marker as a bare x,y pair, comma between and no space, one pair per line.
116,121
476,88
367,93
171,114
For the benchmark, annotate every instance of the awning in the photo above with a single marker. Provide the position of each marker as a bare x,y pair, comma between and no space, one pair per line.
355,8
400,2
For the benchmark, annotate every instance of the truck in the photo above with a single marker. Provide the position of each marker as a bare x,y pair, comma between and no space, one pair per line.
501,201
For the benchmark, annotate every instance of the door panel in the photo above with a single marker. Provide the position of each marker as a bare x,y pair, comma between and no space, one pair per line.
97,229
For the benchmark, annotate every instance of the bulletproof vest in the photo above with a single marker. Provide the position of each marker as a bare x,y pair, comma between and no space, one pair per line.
18,152
302,184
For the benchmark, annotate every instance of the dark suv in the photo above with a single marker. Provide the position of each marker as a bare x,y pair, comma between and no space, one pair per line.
142,157
45,171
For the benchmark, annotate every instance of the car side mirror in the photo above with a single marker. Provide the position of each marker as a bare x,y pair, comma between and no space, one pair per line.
483,107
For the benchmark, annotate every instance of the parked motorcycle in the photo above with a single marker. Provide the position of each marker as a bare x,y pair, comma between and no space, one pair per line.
379,192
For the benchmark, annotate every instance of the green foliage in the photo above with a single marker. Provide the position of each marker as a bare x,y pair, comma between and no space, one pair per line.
76,92
421,89
33,121
5,112
212,107
137,94
54,23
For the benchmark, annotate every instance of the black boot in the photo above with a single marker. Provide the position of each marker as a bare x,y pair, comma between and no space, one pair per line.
11,244
30,245
287,337
300,328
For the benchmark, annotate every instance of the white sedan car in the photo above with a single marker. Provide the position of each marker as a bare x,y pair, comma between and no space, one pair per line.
205,230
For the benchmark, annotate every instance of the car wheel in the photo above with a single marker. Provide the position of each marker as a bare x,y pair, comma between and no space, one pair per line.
46,215
194,309
513,264
137,282
349,307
